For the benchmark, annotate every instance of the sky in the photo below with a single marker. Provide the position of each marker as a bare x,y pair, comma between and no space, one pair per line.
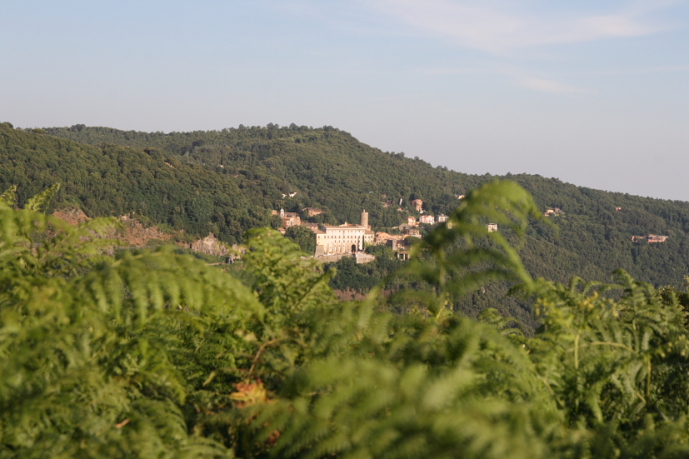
595,93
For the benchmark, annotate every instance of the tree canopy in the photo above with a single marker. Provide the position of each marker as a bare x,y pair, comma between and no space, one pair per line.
303,237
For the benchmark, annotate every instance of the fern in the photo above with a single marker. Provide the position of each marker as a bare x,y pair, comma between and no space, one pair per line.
9,197
154,354
83,371
41,201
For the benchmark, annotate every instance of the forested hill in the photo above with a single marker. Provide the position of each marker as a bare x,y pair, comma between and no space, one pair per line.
116,180
227,181
326,167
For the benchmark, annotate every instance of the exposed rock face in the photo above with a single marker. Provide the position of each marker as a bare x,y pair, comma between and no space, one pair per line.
209,245
73,215
134,233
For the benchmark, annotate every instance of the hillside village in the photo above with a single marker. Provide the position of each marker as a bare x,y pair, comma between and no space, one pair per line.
332,241
351,239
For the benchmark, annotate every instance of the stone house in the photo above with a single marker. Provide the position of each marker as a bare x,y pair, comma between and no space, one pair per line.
427,219
289,219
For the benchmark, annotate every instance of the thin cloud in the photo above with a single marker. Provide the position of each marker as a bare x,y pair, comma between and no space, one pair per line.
449,70
550,86
489,29
636,71
520,77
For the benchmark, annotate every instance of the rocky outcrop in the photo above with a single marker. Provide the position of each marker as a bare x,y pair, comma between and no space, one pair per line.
136,235
209,245
132,232
71,215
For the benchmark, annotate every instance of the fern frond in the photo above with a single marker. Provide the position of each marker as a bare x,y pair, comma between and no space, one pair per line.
9,197
41,201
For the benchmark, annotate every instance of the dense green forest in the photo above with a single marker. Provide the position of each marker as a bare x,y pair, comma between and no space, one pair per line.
156,354
228,181
116,180
328,168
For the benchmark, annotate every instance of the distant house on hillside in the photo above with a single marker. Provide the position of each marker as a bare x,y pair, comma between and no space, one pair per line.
289,219
417,204
411,221
654,238
492,227
312,226
311,211
427,219
412,232
651,239
382,238
442,218
552,211
395,244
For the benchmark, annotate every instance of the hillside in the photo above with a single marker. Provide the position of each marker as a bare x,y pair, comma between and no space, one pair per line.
326,167
118,180
228,181
330,168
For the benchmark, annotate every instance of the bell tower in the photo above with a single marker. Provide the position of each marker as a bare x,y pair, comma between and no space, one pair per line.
364,219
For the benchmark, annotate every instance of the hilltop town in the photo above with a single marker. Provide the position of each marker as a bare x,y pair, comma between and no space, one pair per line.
350,239
335,241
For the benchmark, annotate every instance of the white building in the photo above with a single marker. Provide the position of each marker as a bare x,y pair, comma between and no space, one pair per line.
427,219
347,238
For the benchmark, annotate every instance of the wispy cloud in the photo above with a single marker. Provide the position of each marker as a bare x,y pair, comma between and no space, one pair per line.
550,86
450,70
518,76
635,71
493,27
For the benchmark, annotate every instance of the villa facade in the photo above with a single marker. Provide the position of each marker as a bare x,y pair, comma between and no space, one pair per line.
346,238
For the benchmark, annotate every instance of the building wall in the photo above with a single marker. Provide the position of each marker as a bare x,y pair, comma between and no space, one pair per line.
341,239
344,238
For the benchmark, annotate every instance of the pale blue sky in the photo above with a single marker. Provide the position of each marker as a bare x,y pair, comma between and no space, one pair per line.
595,93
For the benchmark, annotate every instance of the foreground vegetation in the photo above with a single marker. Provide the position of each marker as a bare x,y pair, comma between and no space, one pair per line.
153,354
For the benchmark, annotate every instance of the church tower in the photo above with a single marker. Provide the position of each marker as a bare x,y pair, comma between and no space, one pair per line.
364,219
